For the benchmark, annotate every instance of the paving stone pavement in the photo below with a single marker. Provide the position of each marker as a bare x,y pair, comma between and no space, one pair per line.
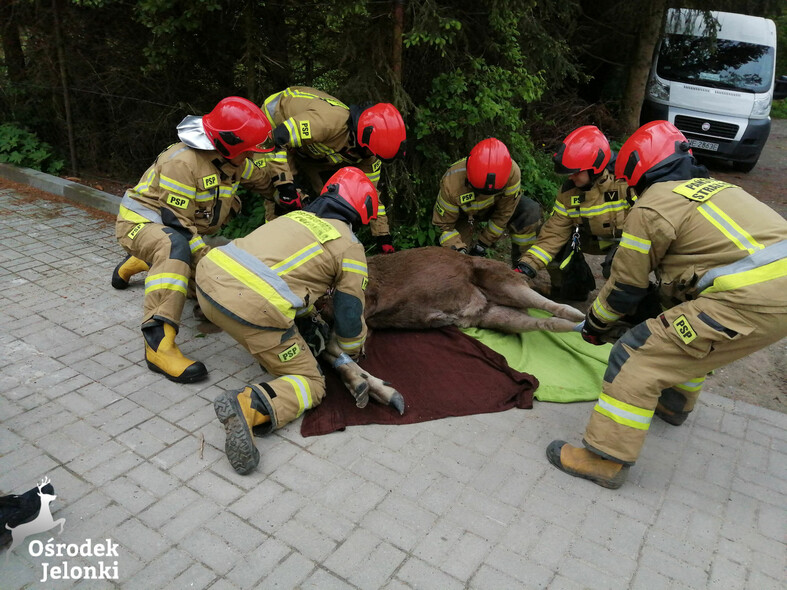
456,503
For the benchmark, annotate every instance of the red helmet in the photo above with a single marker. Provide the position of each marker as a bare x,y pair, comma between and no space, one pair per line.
585,148
354,187
489,165
651,146
237,125
381,130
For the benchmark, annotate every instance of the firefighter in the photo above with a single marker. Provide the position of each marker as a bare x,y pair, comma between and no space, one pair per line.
591,204
261,288
188,192
720,255
316,134
484,187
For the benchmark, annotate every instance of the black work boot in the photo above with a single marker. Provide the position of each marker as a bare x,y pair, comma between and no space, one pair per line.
234,411
670,416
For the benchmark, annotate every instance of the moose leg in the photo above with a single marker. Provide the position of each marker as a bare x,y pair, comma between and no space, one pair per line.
360,383
514,292
510,320
502,286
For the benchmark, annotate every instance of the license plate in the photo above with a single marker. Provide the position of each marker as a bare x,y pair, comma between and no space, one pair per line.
704,145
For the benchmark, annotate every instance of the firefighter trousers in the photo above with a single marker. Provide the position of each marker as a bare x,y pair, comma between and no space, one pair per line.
168,253
298,382
667,353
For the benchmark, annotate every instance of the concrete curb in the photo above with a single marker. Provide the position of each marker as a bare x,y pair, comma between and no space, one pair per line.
74,191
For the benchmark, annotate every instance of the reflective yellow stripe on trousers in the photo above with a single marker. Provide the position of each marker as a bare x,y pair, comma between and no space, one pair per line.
166,280
302,391
623,413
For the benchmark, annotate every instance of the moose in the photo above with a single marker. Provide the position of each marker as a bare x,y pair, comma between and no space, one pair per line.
433,287
43,522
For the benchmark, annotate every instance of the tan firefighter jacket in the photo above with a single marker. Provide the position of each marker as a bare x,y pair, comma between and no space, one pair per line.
457,198
280,269
311,124
602,209
194,190
702,238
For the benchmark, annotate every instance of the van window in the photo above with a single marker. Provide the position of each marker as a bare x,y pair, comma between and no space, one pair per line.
716,63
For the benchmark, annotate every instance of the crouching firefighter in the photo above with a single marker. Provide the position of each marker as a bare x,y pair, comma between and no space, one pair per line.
189,191
262,287
485,186
721,258
591,206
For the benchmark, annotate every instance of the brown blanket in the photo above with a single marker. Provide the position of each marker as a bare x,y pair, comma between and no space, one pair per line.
439,372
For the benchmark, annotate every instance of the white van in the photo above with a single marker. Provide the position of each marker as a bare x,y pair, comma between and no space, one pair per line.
717,89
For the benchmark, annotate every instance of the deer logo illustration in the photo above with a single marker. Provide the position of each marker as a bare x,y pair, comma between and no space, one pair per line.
43,522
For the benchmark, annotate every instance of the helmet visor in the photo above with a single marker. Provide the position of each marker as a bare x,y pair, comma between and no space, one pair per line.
267,145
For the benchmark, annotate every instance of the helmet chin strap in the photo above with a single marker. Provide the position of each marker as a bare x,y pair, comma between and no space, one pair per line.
683,167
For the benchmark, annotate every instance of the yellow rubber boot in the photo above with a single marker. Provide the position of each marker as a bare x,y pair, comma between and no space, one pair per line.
163,356
580,462
127,269
234,411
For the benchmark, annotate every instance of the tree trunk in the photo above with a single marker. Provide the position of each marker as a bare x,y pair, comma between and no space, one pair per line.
647,37
277,58
398,26
61,58
11,43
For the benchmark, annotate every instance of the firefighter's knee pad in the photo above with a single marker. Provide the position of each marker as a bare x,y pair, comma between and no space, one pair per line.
527,213
179,248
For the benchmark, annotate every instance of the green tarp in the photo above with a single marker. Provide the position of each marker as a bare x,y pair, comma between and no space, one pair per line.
567,368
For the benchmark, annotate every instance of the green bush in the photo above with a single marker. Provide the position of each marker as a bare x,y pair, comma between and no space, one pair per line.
251,216
779,109
22,148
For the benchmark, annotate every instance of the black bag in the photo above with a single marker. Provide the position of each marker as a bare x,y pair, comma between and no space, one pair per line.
578,279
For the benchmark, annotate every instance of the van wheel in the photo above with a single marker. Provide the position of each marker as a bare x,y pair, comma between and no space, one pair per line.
744,166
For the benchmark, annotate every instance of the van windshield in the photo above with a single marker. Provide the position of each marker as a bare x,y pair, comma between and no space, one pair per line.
716,63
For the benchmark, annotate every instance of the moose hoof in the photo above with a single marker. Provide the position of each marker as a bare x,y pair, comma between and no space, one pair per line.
397,401
361,394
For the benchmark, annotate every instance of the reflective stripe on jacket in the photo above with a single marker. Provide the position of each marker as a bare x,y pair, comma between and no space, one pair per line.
702,238
602,208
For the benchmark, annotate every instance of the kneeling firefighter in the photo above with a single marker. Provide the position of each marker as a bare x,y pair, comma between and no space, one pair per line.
189,191
261,288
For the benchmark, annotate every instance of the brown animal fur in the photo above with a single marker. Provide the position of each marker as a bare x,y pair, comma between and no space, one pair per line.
432,287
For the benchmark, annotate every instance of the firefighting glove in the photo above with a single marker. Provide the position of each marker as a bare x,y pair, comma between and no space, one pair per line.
526,270
593,329
288,197
461,250
315,331
479,249
386,244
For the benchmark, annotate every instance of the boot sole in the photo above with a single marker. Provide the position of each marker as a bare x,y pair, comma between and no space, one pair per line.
185,378
238,445
553,456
